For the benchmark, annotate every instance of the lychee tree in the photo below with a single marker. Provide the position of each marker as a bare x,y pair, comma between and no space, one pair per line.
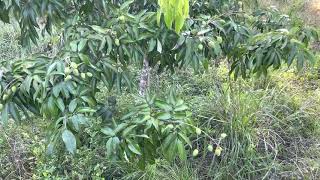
102,40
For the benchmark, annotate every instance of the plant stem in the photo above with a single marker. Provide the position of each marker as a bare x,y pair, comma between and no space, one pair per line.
144,77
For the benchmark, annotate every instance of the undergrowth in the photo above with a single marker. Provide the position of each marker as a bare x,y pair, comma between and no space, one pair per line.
272,129
272,125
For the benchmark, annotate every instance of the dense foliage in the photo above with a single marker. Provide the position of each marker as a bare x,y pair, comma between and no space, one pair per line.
102,43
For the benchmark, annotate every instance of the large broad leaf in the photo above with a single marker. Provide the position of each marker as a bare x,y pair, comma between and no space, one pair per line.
108,131
181,150
60,104
78,120
182,107
174,11
126,4
73,105
163,105
134,148
164,116
5,114
69,141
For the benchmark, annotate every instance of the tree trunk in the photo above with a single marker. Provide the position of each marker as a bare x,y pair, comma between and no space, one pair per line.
144,77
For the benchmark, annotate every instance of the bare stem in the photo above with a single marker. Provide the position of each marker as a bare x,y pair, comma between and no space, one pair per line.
144,77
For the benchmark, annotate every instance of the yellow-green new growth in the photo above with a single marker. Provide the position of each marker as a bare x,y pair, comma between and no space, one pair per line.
176,12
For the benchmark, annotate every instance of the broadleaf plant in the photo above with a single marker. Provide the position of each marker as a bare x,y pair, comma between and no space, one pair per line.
102,41
153,127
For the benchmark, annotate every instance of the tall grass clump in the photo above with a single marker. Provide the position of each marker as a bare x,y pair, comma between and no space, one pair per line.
271,128
264,127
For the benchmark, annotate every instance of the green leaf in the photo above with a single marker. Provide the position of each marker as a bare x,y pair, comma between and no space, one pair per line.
126,4
84,58
56,90
4,16
128,130
181,40
109,42
143,136
179,102
120,127
108,131
152,44
27,83
182,107
291,56
300,61
99,29
159,14
127,116
181,150
171,152
168,19
14,112
51,105
82,44
163,105
103,44
109,146
179,21
69,141
77,120
134,148
168,140
89,100
186,139
60,104
164,116
159,46
73,105
74,46
86,110
171,99
5,114
51,68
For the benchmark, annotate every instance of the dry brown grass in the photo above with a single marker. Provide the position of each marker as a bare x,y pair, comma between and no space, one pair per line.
312,12
308,10
315,5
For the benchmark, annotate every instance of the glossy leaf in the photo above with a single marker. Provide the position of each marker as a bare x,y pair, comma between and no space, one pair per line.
69,140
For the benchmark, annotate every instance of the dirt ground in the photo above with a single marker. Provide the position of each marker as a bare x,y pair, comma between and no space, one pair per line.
312,11
308,10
